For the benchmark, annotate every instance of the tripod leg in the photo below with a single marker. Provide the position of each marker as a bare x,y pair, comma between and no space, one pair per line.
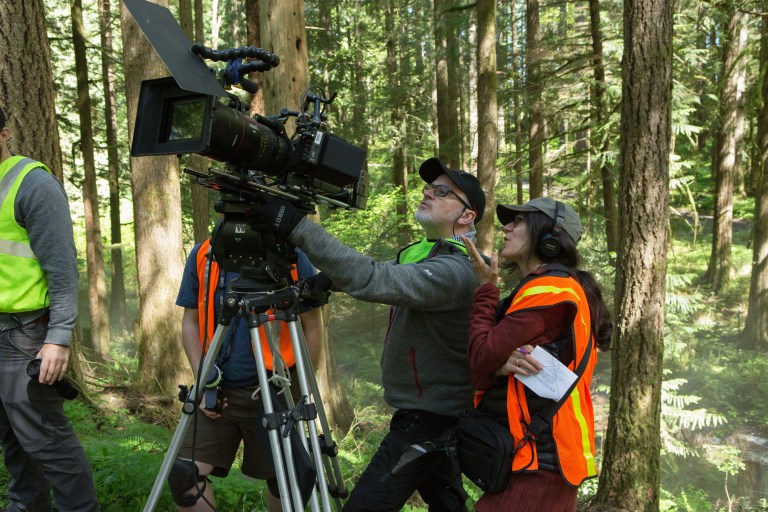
277,443
336,480
188,410
304,368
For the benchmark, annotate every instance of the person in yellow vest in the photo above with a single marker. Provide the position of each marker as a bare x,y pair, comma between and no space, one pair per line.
38,309
214,444
556,307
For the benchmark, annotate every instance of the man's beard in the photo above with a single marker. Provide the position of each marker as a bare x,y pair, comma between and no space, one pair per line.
431,224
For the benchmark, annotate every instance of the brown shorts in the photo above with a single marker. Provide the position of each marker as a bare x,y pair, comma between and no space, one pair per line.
217,441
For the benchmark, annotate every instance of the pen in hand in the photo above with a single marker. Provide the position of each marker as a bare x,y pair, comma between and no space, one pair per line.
521,350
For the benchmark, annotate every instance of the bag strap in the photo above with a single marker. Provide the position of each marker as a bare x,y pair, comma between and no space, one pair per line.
543,418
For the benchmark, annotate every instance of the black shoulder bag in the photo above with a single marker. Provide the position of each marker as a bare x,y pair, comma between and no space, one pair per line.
486,447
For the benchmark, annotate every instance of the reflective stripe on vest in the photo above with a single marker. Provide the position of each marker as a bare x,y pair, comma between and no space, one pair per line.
205,277
23,286
573,426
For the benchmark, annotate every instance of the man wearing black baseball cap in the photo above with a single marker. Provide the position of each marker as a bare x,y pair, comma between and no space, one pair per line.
431,169
424,365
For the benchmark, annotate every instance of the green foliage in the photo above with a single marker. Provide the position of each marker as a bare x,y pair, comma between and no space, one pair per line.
690,500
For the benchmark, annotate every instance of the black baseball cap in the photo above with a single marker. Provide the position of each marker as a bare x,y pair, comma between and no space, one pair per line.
466,182
546,205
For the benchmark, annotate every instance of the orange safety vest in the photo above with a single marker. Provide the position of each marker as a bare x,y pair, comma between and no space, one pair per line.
573,426
286,347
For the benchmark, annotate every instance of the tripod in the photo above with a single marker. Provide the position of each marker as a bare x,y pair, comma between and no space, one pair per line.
256,302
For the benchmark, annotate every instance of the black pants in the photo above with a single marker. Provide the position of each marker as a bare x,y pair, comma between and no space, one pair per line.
411,457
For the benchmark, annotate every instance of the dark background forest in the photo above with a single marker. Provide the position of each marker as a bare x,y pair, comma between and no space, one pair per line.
649,117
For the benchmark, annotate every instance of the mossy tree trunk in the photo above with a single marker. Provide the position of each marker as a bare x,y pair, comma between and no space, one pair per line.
487,117
630,475
94,246
157,231
117,306
756,326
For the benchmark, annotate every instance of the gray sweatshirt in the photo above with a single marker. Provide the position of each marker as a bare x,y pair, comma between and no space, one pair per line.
424,364
42,209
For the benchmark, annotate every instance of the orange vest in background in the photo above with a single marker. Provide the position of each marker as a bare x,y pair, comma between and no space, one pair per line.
286,347
573,426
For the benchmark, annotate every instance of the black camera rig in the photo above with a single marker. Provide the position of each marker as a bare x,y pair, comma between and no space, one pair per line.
192,112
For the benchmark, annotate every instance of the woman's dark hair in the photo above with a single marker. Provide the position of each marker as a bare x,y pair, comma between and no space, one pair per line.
539,224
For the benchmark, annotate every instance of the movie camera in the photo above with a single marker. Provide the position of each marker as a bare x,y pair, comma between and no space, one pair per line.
192,112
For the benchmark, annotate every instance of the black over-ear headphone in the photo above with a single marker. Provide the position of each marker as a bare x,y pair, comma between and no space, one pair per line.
549,245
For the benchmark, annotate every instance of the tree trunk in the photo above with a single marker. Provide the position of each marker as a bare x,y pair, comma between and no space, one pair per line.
117,311
601,135
630,474
517,87
359,93
253,34
533,87
756,325
199,22
487,117
94,249
397,118
201,218
283,33
446,57
157,228
29,104
729,143
469,136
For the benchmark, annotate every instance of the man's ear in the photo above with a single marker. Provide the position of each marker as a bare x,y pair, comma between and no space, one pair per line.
467,217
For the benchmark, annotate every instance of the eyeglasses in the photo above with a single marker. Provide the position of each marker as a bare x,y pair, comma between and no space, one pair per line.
443,191
518,219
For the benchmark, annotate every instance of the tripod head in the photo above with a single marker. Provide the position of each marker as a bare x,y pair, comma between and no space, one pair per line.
263,260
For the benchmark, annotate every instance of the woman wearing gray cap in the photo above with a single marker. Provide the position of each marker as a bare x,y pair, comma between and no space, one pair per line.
556,307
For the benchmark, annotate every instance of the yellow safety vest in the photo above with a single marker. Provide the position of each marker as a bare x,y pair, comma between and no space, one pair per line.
23,286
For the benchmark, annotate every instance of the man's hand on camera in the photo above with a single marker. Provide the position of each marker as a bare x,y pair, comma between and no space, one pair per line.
275,215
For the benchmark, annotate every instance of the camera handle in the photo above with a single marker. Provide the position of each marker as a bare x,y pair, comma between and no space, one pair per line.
323,449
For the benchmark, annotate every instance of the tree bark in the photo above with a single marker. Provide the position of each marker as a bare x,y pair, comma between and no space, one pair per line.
157,228
283,32
601,137
517,87
756,325
536,125
201,217
729,141
487,130
117,307
397,118
631,474
29,104
253,34
94,247
448,143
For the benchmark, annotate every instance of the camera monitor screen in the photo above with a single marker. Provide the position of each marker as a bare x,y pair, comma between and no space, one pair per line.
185,119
